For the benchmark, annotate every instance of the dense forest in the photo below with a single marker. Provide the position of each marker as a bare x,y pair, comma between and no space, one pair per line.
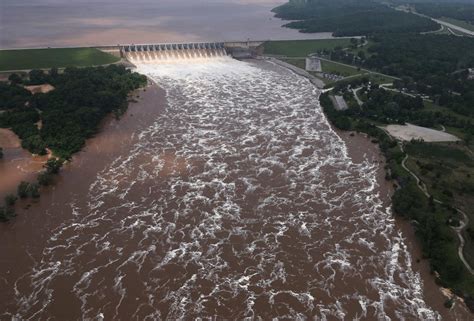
64,118
458,11
350,17
432,65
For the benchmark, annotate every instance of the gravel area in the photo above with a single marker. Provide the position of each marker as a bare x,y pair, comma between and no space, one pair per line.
408,132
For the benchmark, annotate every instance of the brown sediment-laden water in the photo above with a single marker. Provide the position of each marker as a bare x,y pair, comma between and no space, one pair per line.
233,198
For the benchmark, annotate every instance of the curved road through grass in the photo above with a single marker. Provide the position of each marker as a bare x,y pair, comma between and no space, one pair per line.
459,229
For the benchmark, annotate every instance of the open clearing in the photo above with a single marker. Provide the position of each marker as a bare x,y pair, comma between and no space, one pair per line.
39,89
48,58
408,132
302,48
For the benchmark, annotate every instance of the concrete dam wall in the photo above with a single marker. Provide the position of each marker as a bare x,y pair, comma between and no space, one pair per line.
173,52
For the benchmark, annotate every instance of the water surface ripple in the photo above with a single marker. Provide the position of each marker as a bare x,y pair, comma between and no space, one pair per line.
239,201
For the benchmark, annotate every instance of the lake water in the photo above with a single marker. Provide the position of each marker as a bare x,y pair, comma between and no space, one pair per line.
40,23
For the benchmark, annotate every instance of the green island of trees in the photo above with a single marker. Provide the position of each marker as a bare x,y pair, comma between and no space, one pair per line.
62,119
71,112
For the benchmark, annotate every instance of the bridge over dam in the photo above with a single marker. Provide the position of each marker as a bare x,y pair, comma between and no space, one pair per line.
169,52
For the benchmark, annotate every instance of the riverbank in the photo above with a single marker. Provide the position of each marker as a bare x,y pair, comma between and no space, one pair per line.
360,147
17,164
23,240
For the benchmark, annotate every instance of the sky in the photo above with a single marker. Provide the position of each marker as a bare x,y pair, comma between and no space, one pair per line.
43,23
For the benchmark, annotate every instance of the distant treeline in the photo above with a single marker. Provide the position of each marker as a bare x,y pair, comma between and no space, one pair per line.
64,118
460,11
432,65
350,18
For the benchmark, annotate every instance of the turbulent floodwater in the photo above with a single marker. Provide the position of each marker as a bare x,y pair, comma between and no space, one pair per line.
239,201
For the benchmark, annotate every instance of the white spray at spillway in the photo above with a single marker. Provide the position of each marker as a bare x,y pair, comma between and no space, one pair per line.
173,53
239,201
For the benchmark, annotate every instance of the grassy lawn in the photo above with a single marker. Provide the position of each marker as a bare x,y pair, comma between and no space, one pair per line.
459,23
329,67
300,63
338,69
302,48
343,70
48,58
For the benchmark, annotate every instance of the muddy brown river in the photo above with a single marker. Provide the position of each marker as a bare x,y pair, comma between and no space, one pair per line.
224,195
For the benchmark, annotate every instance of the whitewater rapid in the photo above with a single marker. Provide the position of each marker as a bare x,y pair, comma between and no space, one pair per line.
239,201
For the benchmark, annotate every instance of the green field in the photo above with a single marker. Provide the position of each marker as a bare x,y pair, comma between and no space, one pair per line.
459,23
49,58
333,67
339,69
302,48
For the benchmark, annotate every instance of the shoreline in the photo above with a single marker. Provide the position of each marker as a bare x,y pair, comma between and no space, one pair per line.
357,145
114,135
21,240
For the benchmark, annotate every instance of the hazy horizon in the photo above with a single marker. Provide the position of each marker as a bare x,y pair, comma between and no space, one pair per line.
87,23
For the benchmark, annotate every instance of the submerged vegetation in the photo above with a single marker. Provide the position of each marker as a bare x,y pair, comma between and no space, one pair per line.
69,114
61,120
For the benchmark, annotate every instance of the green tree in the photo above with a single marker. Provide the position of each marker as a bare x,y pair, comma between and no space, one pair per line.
38,77
22,190
6,213
10,200
45,178
54,73
15,79
53,165
33,190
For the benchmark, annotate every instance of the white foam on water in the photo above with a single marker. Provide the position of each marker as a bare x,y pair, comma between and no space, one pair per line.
240,195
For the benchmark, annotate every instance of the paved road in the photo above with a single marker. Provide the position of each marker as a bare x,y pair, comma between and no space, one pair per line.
451,26
443,23
459,229
359,102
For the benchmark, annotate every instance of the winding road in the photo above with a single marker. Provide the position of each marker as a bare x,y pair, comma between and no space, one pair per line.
458,229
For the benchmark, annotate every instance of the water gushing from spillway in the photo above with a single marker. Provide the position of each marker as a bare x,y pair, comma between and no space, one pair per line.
173,53
239,201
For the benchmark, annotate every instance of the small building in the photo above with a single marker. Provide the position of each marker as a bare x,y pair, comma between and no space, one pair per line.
313,64
339,102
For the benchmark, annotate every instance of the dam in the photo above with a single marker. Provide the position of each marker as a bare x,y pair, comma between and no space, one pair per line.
196,51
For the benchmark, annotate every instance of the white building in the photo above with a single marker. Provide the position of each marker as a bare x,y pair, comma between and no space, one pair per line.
313,64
